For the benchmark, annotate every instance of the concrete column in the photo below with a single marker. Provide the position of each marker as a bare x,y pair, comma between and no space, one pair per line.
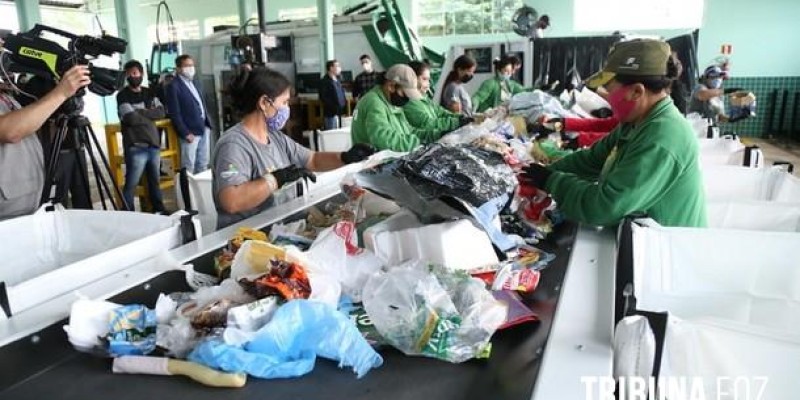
245,10
28,14
124,9
325,32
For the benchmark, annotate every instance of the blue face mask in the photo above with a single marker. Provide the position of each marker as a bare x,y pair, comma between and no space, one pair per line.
715,83
278,121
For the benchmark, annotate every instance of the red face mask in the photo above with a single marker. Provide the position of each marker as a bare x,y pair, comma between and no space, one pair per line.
621,107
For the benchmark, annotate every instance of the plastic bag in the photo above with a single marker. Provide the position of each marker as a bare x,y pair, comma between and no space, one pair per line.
288,345
433,313
534,104
335,253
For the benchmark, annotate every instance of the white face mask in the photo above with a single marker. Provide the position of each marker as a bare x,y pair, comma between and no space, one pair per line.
187,72
367,67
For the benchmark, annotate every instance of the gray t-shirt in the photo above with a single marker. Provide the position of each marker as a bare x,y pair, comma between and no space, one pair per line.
238,158
455,91
704,108
21,171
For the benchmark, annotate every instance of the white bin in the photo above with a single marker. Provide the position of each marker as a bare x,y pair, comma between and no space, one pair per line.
754,215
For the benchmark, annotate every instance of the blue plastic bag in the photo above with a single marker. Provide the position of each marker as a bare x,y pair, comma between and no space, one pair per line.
288,345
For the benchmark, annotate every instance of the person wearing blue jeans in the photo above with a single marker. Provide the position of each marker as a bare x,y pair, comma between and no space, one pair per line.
187,111
140,160
138,110
331,95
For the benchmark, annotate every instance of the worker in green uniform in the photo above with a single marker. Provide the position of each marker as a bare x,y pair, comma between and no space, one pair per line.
424,114
499,89
379,119
648,164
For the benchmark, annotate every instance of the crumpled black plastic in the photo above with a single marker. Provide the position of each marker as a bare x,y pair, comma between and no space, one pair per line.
466,172
447,182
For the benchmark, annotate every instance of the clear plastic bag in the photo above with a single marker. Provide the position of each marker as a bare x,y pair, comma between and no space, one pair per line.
434,313
336,254
289,344
534,104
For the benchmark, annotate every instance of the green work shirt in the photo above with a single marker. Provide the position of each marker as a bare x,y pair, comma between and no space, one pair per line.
430,117
384,126
489,94
652,167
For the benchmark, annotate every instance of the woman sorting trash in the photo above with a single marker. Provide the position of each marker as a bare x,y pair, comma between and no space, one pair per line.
454,95
253,159
424,114
706,97
499,89
379,119
648,164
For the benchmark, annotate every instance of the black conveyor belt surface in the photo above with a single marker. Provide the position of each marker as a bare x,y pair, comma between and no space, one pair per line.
48,368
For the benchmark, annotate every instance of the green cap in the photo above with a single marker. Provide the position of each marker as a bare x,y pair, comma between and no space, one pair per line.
639,57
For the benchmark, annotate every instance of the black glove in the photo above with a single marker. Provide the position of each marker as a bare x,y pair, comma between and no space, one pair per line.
359,152
732,90
535,175
291,174
464,120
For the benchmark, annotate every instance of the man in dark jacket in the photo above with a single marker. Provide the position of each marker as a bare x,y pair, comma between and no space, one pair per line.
138,108
189,115
331,94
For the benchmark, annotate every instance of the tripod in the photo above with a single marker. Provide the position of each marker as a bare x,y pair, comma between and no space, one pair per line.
79,129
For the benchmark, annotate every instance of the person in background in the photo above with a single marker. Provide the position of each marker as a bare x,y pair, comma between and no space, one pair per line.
454,95
22,166
379,118
331,94
189,115
648,164
367,79
254,159
138,109
706,98
424,114
497,90
515,72
542,24
678,91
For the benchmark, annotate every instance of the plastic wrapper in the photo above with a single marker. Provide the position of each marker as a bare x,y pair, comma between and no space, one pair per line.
251,317
534,104
177,336
132,331
523,280
289,344
517,312
434,313
212,315
285,279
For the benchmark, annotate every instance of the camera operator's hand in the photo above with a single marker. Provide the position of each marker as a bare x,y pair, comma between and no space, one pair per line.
73,80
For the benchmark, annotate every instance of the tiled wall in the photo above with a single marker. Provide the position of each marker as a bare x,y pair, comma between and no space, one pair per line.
762,88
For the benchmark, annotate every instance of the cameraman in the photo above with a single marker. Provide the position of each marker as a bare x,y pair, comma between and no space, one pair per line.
21,154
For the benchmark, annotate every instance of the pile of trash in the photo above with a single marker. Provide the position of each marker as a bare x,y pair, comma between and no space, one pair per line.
428,253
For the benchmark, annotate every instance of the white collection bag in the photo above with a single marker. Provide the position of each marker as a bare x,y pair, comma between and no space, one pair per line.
733,304
54,252
732,183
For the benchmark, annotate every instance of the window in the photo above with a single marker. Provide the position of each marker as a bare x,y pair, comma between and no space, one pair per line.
464,17
606,15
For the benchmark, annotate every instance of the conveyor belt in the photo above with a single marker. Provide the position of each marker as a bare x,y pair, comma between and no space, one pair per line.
48,368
